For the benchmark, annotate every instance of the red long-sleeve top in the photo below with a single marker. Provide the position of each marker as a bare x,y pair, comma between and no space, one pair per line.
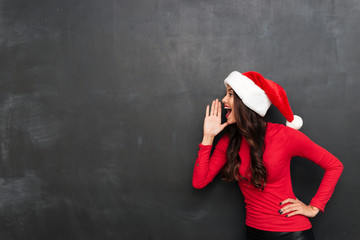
281,144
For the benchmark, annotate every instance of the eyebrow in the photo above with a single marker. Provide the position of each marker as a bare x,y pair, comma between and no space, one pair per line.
230,89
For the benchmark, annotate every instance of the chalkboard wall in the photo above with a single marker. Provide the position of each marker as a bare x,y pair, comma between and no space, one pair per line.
102,105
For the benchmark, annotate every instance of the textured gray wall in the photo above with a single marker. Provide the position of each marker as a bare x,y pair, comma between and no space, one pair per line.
102,106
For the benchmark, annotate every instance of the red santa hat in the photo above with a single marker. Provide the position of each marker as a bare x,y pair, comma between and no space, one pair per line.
258,93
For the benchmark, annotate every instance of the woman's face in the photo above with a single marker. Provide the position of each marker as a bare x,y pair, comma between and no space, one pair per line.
228,102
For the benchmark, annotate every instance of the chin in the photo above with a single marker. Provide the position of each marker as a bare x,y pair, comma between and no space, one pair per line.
231,121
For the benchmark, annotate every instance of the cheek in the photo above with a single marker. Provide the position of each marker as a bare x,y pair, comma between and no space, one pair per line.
233,116
231,102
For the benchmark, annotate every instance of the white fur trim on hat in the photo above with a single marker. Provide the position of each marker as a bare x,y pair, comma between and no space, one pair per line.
296,123
252,96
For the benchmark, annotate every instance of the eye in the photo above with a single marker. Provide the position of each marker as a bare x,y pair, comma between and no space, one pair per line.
231,94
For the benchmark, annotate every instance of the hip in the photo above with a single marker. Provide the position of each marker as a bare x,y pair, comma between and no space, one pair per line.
256,234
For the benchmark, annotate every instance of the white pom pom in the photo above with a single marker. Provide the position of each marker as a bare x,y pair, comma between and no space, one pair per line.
296,123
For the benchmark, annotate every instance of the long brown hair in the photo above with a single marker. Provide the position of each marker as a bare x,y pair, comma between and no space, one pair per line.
252,126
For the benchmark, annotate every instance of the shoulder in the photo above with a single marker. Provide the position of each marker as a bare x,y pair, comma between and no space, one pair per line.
282,128
290,136
281,131
275,129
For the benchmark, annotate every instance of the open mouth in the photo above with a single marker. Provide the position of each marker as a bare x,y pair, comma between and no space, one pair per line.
228,113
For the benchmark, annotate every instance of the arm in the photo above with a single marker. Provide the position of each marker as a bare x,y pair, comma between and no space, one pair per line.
300,145
206,167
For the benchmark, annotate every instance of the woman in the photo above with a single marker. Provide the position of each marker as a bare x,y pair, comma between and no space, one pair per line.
257,154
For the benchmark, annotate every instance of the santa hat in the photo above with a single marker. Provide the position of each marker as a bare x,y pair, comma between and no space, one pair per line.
257,93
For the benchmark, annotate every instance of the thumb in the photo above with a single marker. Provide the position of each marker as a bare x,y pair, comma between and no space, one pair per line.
224,125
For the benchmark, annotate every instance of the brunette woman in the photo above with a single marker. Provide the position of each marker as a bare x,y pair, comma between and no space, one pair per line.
257,155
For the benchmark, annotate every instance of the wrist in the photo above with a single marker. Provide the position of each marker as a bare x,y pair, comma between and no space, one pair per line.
315,209
207,139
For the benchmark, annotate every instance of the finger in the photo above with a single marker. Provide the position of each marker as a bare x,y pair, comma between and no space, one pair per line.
288,200
286,208
296,204
290,209
212,107
224,125
216,107
219,109
207,111
292,214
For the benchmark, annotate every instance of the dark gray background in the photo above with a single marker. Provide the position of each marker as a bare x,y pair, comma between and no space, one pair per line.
102,106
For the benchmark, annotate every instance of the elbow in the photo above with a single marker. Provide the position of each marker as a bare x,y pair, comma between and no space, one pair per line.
197,185
341,167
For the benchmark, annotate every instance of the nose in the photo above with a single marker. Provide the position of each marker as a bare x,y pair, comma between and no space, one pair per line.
223,100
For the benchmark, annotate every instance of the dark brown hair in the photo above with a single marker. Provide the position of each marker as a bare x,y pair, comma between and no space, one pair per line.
252,126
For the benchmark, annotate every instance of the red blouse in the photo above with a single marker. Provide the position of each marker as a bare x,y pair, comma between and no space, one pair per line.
281,144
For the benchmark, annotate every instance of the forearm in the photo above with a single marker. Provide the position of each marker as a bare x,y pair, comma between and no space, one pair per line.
201,168
206,167
327,185
207,140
